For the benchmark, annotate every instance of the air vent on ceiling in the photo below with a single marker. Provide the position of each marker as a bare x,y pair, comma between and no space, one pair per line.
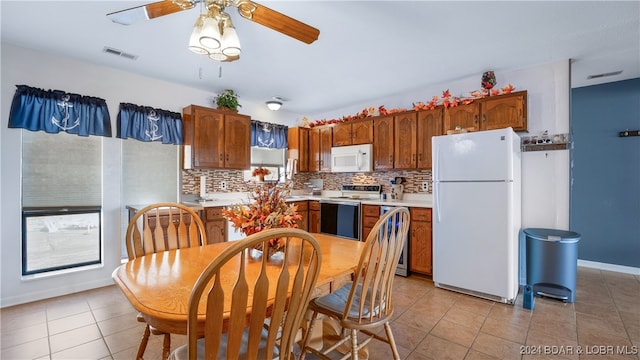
604,75
113,51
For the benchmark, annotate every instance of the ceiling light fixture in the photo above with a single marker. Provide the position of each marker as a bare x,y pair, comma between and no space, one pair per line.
275,104
214,35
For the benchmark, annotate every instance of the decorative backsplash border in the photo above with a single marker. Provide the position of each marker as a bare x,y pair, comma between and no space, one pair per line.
332,181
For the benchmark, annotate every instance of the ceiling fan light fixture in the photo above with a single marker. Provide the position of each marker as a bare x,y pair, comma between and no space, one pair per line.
194,40
210,35
274,105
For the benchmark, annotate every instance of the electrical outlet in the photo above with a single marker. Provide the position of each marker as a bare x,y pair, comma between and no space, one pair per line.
425,186
223,185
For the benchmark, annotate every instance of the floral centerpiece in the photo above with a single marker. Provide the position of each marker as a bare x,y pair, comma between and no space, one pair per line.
260,172
267,209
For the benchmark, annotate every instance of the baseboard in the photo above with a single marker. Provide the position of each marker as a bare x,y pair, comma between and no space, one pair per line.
609,267
51,293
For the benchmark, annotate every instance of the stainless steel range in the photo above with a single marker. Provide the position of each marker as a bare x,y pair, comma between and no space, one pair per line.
340,215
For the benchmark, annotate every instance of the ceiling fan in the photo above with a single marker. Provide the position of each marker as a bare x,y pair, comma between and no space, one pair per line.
217,20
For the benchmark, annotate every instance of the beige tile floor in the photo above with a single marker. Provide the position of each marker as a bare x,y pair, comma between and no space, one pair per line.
429,323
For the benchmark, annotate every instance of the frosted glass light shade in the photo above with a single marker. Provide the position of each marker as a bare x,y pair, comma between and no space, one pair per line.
210,35
194,40
230,42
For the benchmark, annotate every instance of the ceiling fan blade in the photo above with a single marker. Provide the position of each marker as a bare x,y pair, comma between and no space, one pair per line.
145,12
278,21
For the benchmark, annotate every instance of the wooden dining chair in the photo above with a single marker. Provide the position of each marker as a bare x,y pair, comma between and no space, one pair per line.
159,227
236,302
365,304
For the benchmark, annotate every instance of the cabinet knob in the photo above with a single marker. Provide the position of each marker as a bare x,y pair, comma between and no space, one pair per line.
475,119
221,156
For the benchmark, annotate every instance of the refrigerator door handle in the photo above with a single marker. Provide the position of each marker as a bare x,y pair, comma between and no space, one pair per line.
437,193
436,182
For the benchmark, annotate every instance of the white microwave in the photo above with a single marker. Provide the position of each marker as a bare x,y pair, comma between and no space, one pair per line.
354,158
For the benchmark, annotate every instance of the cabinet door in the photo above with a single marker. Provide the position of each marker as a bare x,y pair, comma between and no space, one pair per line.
215,225
362,132
383,143
237,134
314,150
420,241
298,140
325,148
464,116
314,216
429,125
405,147
504,111
342,135
208,139
216,231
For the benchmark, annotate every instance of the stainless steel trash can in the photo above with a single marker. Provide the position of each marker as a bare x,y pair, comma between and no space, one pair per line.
551,262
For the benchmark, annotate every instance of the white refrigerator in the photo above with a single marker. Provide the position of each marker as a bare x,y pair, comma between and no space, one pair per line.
477,213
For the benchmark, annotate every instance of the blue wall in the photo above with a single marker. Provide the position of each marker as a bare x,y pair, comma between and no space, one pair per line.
605,175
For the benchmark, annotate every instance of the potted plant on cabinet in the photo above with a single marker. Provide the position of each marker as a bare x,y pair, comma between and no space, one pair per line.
228,99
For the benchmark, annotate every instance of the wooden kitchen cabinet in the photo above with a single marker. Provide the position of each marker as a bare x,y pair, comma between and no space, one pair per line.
370,216
314,216
320,142
353,133
215,139
499,112
215,225
405,140
303,210
298,140
462,116
489,113
429,124
383,143
420,241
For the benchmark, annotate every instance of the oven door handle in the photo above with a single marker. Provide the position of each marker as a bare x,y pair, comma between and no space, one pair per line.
348,203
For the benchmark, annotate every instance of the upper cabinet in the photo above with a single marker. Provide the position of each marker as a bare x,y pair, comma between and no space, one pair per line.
463,117
215,139
353,133
383,143
298,139
320,142
405,140
493,112
429,125
503,111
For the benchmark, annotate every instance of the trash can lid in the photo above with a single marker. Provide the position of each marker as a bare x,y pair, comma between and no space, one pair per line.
552,234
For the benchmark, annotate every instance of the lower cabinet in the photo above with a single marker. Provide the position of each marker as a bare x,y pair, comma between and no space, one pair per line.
420,236
370,215
215,225
314,216
303,209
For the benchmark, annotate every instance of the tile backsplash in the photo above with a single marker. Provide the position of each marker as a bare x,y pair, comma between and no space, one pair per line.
332,181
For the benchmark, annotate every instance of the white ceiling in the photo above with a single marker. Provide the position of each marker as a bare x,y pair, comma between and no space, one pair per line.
366,49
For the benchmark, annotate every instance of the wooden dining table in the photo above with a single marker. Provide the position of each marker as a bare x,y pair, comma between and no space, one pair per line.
159,285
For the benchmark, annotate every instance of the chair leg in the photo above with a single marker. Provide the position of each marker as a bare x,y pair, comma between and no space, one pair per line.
307,335
354,344
392,342
143,343
166,346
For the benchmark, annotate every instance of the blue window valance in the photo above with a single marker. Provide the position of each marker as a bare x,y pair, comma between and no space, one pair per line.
267,135
148,124
55,110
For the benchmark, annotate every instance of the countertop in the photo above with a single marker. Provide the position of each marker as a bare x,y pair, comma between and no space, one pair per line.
226,199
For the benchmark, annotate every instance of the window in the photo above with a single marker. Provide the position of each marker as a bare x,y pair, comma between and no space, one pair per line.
272,159
60,238
61,171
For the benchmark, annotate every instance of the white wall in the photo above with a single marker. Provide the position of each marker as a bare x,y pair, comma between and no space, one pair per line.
46,71
545,174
